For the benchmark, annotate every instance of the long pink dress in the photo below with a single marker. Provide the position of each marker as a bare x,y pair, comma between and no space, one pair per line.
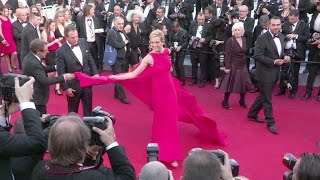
157,88
8,36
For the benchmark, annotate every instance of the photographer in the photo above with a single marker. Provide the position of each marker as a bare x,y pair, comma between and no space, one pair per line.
155,170
204,165
179,42
267,7
69,140
307,167
33,143
178,11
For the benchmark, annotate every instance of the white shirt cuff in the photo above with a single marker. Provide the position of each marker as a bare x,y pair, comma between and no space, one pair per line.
112,145
26,105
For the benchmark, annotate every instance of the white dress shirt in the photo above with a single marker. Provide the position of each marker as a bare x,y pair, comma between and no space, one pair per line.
77,52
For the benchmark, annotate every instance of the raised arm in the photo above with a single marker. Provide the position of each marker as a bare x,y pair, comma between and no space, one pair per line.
146,61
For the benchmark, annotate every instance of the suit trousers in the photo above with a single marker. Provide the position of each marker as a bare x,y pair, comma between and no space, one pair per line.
178,65
200,58
314,68
93,48
133,56
85,95
120,66
213,67
263,101
294,75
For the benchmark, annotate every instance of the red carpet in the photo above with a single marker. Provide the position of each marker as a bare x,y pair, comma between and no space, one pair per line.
258,152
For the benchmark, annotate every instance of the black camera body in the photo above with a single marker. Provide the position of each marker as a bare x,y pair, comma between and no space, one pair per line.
96,121
7,86
152,152
195,43
97,111
289,161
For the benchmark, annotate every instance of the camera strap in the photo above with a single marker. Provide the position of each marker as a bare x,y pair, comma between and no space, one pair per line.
53,168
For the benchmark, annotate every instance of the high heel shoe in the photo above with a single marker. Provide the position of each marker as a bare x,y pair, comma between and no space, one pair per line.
57,92
243,104
226,105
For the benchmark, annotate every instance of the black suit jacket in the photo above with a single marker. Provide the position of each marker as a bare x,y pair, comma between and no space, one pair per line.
31,66
248,3
130,6
248,31
206,33
67,62
165,21
184,9
81,27
121,169
313,18
115,40
265,53
152,13
17,33
33,143
302,30
303,7
29,33
224,9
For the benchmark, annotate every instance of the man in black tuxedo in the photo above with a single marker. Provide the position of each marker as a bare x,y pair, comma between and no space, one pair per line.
200,35
73,158
248,3
17,27
32,66
178,11
30,32
297,35
267,7
32,143
118,40
161,19
116,13
219,9
269,56
126,6
149,10
248,23
74,56
89,28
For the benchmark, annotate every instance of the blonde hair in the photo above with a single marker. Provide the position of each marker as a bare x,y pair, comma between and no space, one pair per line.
157,33
238,25
135,12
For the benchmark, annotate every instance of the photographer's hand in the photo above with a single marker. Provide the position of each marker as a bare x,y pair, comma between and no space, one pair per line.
107,136
226,168
286,59
24,93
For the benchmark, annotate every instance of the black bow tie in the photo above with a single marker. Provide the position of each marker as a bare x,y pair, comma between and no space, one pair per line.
241,20
73,46
275,36
200,24
218,6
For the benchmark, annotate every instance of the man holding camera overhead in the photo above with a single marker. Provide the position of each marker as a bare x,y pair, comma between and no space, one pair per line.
33,142
72,157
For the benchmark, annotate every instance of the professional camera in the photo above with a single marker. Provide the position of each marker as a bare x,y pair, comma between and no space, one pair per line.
233,163
7,86
97,111
315,36
105,15
233,13
262,5
195,43
153,152
289,161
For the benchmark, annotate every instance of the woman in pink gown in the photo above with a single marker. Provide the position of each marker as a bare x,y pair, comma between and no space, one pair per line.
152,83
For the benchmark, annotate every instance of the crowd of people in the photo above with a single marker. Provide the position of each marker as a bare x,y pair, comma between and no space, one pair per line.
221,38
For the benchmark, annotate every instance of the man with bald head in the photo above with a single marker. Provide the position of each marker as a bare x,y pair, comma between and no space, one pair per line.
69,146
155,170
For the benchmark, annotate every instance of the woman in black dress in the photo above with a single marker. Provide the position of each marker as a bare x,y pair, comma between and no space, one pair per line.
135,18
236,78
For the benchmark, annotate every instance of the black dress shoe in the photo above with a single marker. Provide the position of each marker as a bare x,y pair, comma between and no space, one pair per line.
225,105
256,119
292,95
305,71
201,84
193,81
273,129
125,101
306,96
243,104
280,93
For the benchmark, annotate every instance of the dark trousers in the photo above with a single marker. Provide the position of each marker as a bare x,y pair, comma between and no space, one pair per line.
93,48
289,74
120,66
85,95
42,109
263,101
178,65
213,67
200,58
314,68
133,56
